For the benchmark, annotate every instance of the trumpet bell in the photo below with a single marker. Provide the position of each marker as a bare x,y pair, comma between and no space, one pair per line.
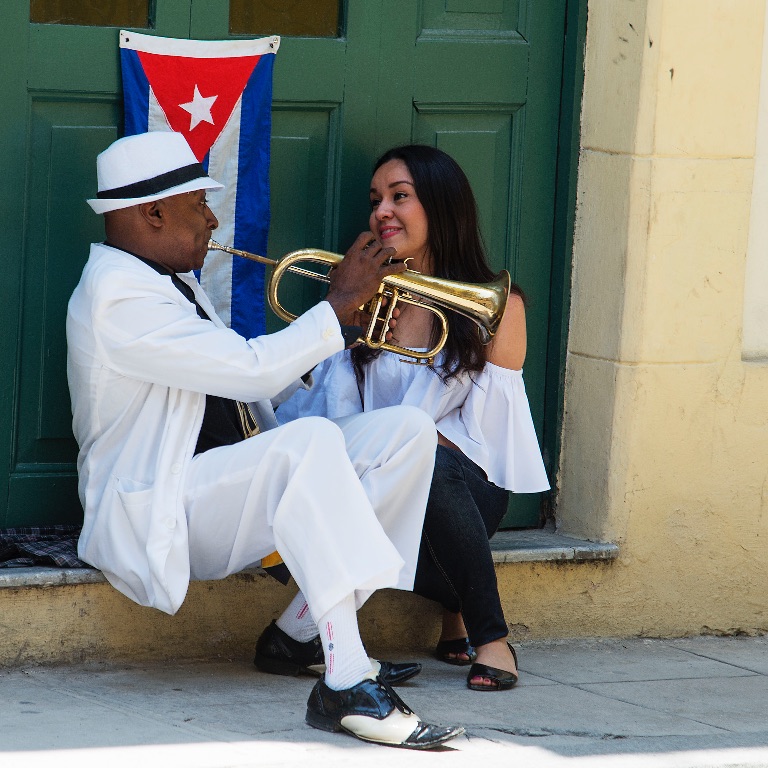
482,303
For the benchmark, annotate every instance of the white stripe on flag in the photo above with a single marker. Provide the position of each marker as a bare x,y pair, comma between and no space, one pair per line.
204,49
156,119
216,277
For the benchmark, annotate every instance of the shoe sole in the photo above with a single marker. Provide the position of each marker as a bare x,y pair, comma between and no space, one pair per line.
431,745
491,688
330,725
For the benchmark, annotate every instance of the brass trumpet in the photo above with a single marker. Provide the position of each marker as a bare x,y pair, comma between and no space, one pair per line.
482,303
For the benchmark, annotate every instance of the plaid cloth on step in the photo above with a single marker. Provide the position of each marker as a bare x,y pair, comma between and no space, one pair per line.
45,545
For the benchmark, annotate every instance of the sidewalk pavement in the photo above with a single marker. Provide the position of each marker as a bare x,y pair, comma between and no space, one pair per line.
616,703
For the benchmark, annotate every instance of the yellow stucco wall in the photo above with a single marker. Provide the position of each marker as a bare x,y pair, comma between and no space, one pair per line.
222,619
665,439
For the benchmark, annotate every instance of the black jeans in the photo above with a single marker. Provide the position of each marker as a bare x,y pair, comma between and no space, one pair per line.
455,565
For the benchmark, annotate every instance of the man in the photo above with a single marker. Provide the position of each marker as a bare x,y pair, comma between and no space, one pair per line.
171,487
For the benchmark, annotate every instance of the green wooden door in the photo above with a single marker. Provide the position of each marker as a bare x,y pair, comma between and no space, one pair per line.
479,78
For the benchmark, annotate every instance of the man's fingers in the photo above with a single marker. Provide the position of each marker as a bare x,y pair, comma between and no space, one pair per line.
392,269
367,246
361,244
388,254
376,251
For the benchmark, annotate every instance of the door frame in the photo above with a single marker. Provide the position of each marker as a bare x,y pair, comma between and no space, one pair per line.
572,85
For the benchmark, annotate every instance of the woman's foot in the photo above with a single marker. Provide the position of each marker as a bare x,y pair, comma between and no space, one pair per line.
454,647
496,667
458,652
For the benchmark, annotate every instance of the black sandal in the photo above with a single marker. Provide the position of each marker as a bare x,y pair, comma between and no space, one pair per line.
501,680
460,645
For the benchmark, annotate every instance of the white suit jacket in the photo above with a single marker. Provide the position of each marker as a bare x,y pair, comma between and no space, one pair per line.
139,364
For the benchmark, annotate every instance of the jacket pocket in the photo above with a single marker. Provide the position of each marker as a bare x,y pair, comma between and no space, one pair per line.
132,499
136,501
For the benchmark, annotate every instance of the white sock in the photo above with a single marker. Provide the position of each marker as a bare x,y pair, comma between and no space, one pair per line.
296,620
346,662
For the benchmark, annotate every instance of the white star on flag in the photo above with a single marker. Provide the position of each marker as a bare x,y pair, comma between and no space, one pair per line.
199,108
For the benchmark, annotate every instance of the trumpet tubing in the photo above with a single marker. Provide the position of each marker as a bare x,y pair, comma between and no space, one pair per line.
482,303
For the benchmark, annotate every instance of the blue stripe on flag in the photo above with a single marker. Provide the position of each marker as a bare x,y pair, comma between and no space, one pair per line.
252,202
135,93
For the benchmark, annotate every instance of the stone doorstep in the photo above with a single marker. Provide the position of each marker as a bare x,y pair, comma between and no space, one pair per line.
543,545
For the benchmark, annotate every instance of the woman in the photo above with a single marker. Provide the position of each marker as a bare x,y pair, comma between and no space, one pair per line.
422,205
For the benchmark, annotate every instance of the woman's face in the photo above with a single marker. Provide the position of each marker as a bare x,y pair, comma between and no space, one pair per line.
398,219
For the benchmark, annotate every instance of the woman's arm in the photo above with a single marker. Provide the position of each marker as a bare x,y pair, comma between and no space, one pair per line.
508,347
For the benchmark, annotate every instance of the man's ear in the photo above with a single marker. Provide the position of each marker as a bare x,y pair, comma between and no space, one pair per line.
153,213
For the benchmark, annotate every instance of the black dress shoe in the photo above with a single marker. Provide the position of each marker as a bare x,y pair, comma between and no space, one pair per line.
372,711
279,654
393,673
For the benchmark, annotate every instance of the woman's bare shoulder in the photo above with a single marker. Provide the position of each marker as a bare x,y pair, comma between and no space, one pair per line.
508,347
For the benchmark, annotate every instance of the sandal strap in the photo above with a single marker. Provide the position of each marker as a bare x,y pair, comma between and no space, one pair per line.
459,645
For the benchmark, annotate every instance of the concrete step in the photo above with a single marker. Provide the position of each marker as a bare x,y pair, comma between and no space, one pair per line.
56,615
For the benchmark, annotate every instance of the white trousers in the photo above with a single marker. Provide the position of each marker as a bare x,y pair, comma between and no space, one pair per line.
342,502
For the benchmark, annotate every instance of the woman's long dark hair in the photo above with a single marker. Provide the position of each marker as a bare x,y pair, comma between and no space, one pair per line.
455,247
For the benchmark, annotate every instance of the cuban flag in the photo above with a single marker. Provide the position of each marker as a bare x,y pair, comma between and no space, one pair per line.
218,94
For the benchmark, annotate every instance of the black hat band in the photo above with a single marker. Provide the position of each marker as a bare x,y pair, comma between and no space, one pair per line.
154,185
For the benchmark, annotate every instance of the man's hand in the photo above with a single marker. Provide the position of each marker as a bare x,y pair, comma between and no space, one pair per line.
358,276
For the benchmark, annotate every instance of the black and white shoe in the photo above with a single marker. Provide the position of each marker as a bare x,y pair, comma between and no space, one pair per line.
279,654
372,711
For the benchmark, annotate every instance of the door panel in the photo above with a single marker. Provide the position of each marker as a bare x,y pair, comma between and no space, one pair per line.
483,143
302,192
478,78
61,147
482,16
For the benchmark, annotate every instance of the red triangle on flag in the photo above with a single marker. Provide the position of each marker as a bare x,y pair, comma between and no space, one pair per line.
210,88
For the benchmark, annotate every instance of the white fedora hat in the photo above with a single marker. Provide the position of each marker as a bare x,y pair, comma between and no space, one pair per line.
146,167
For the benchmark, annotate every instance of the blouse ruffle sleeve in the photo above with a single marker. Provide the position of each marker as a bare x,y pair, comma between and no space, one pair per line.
494,428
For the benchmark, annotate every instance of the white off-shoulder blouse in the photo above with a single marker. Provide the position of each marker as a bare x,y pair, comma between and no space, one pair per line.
485,414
